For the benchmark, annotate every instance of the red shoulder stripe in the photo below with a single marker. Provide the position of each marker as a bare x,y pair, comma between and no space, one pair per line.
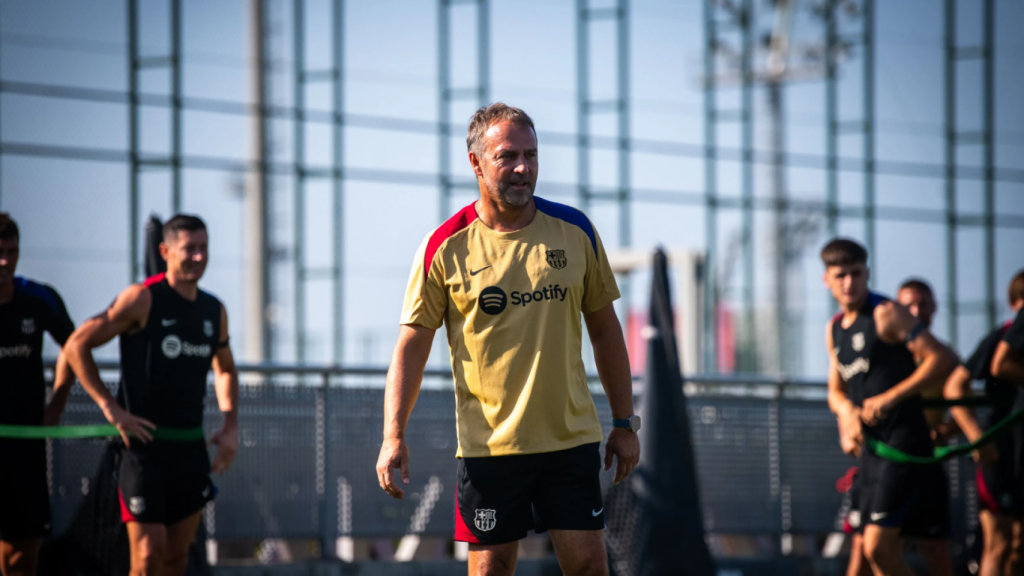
154,279
453,225
837,317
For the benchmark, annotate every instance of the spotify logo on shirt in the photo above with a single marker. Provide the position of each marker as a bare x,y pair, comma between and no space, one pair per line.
493,300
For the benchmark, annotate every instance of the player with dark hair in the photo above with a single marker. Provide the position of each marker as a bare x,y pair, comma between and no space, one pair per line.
874,388
171,333
27,309
1008,360
999,476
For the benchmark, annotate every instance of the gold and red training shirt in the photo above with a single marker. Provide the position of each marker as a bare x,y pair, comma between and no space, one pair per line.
512,304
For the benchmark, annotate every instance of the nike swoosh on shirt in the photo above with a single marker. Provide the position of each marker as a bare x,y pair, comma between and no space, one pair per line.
876,516
166,322
596,514
475,272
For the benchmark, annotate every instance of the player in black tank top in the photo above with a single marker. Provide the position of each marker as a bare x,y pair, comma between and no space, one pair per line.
171,333
874,388
999,474
27,310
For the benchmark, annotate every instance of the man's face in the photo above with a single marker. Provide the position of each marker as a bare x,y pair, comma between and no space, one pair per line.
186,254
508,164
848,284
8,259
920,303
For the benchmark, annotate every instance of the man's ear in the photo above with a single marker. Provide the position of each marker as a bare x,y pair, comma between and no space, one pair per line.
164,250
474,161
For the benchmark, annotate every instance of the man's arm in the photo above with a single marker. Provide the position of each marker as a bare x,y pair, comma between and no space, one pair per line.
128,312
896,324
612,361
403,387
958,386
847,415
1006,365
225,378
63,380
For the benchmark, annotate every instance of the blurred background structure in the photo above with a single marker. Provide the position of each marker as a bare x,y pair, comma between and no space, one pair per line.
321,140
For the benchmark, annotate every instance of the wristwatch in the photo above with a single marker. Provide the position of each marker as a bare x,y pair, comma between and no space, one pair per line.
632,423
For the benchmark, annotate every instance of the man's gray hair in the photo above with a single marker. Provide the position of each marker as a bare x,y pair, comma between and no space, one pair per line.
487,116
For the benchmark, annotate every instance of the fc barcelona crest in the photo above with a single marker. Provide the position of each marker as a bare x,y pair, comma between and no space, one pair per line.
28,326
858,341
484,520
208,328
556,259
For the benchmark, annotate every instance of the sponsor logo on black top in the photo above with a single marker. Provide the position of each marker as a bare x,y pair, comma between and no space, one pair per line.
557,259
172,347
493,300
28,326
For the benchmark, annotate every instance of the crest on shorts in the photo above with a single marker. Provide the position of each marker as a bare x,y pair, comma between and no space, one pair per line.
557,259
208,328
858,341
136,505
28,326
484,520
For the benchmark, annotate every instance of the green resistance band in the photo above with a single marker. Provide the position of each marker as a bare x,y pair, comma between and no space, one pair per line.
93,431
883,450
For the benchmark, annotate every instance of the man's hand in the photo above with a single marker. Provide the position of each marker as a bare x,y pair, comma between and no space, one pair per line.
986,454
626,446
226,441
393,454
128,424
851,434
876,408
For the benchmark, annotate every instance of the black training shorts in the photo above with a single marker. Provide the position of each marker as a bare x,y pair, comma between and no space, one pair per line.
24,493
500,498
164,484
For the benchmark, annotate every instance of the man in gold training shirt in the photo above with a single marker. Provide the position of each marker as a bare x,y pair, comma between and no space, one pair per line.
510,276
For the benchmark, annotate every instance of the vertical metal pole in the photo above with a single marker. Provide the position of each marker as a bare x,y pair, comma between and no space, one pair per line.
257,344
749,342
444,108
951,219
831,120
710,184
1,115
338,52
299,204
483,45
322,465
625,202
988,105
176,124
133,140
582,104
869,129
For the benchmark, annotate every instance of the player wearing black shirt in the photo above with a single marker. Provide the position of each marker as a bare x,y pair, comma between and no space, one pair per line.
999,476
27,309
874,388
1008,361
171,334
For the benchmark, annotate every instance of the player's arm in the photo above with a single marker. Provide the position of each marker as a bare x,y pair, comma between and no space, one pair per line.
225,378
60,327
612,361
403,387
896,324
127,313
1008,361
847,415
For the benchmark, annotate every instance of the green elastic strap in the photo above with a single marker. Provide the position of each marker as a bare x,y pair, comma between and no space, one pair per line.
94,431
883,450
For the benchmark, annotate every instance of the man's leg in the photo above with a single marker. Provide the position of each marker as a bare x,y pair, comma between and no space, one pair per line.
18,557
858,565
935,552
148,545
997,531
179,538
493,559
580,552
884,550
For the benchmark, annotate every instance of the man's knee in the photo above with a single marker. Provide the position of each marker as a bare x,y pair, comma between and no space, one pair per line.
589,567
881,551
175,565
147,557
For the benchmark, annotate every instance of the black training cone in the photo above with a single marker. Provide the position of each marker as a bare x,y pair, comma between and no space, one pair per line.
655,521
155,263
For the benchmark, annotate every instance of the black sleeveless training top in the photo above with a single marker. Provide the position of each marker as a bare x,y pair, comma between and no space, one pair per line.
164,367
870,366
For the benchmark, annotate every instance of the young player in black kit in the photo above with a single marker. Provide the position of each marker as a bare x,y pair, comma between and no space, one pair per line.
171,332
27,309
999,477
874,388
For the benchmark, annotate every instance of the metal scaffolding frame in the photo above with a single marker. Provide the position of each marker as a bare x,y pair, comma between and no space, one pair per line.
303,77
135,98
139,161
448,94
955,138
